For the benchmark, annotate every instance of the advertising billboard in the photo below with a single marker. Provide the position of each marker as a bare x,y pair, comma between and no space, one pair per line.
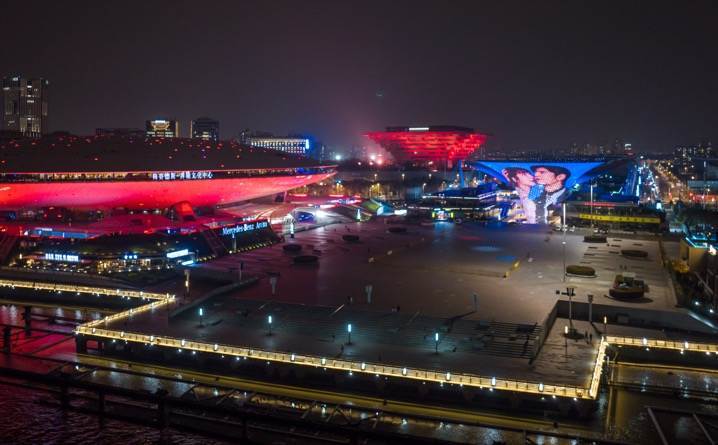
541,186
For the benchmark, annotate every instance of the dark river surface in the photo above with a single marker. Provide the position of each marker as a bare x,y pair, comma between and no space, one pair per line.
26,418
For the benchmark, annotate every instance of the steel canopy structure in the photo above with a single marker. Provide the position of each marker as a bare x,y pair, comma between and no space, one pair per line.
435,143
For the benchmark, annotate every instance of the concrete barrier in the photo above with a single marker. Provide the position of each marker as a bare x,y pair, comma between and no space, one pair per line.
209,295
679,319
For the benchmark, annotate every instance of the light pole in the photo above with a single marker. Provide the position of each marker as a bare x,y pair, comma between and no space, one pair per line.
592,205
436,342
186,283
605,325
269,324
570,293
590,308
201,314
564,241
565,341
349,333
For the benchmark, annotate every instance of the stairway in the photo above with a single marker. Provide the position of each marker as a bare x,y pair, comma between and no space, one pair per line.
7,244
214,242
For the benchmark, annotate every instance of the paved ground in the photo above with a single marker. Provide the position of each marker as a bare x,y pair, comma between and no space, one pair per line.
396,338
608,262
423,282
436,270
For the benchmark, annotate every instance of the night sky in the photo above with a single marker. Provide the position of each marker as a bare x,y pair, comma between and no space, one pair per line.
535,74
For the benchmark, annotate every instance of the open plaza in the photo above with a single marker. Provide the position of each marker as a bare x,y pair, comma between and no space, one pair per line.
482,314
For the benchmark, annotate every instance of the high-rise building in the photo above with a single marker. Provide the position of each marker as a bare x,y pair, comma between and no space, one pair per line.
25,105
205,128
162,128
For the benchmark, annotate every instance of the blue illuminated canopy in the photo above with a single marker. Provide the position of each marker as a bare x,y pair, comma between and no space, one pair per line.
579,172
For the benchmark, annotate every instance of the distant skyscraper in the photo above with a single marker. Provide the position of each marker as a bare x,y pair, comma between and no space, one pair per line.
205,128
162,128
25,105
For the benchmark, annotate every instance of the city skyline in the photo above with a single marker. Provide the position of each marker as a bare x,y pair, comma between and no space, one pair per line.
413,221
533,76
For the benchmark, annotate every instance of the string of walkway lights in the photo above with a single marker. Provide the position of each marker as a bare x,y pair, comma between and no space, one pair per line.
463,379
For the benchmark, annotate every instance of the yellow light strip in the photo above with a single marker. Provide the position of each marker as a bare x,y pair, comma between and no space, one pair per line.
663,344
37,285
464,379
598,368
448,377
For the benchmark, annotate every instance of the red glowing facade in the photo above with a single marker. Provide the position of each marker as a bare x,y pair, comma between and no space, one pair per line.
147,194
440,143
97,173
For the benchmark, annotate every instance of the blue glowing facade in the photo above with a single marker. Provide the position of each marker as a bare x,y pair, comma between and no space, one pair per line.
541,186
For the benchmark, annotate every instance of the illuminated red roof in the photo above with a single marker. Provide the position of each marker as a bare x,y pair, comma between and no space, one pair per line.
148,194
101,172
429,143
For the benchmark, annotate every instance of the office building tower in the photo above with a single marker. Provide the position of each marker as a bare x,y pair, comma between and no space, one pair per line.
205,128
25,105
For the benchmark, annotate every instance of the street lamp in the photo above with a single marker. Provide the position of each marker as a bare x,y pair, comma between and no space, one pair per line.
349,333
269,324
570,293
186,283
436,341
565,341
592,205
201,314
605,325
564,241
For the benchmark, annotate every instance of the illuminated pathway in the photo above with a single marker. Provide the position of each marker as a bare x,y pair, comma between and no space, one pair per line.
131,374
98,328
359,401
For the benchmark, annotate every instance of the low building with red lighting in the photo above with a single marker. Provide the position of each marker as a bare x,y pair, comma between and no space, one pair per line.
103,204
144,173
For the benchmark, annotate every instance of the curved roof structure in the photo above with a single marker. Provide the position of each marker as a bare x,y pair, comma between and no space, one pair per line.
577,172
128,154
437,143
100,172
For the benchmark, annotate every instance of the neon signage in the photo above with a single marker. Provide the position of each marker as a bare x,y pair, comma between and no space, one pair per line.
62,257
171,176
245,227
